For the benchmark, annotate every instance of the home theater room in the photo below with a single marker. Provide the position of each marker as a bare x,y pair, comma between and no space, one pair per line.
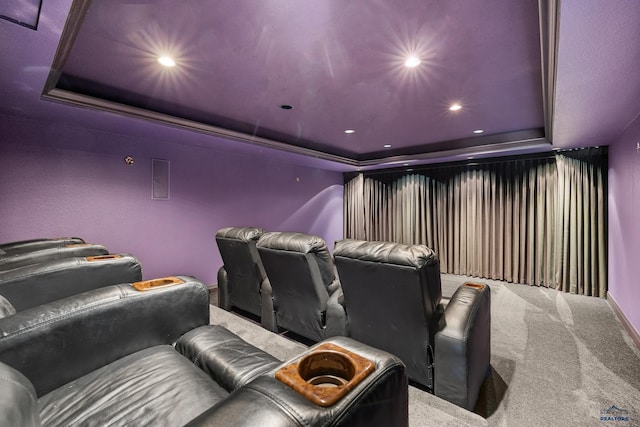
319,213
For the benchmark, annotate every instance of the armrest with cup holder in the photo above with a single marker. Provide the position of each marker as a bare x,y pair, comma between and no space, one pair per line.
378,397
326,374
157,283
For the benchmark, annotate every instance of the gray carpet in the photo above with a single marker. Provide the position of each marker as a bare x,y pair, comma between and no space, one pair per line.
424,408
557,360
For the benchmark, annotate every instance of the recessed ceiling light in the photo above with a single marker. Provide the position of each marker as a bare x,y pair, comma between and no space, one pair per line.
455,107
349,131
412,61
405,164
286,107
478,131
167,61
387,145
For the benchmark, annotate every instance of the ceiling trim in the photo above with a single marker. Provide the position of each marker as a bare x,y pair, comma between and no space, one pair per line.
75,18
549,16
73,98
480,145
511,146
468,143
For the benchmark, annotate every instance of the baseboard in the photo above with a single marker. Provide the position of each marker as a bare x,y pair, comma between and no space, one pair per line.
635,336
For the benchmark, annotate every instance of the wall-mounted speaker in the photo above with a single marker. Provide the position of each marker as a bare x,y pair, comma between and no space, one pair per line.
159,179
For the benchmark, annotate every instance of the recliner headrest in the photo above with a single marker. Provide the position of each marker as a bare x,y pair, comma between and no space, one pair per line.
304,244
386,252
293,242
240,233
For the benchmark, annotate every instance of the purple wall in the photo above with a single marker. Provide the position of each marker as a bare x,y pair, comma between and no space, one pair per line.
57,181
624,228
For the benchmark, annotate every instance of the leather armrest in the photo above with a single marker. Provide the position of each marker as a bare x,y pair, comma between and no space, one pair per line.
23,246
226,358
36,284
57,342
224,299
336,319
10,261
18,400
381,399
463,345
267,313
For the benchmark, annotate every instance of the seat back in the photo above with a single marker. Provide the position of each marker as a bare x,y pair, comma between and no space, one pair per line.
392,294
36,284
24,246
300,270
244,270
9,261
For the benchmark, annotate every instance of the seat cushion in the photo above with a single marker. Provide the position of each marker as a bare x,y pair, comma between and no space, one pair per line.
156,386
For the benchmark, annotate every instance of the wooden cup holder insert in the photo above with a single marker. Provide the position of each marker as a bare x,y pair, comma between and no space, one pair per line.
474,285
157,283
326,374
102,257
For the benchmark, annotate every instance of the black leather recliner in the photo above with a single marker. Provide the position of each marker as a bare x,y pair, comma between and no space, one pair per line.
32,285
22,258
31,245
105,357
307,296
242,281
393,294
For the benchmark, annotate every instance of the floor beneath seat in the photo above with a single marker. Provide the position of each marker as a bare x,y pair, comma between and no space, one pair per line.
422,405
557,359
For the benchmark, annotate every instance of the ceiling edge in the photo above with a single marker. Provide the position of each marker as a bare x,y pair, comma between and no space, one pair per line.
126,110
549,17
549,27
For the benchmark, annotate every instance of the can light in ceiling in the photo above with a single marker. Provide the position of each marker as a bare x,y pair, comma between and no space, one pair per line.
478,131
349,131
455,107
412,62
387,145
167,61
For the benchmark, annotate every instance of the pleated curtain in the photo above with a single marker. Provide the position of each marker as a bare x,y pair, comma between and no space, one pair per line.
537,221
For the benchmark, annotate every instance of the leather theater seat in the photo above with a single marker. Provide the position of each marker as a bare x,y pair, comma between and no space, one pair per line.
393,297
307,296
32,285
31,245
22,258
242,281
106,357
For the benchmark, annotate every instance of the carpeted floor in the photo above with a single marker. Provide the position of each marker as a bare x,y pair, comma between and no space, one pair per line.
557,360
422,405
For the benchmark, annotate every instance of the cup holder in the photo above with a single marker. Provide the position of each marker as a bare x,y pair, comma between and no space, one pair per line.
326,374
478,286
157,283
102,257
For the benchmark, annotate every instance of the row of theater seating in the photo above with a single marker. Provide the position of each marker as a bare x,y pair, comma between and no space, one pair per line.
384,294
83,341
